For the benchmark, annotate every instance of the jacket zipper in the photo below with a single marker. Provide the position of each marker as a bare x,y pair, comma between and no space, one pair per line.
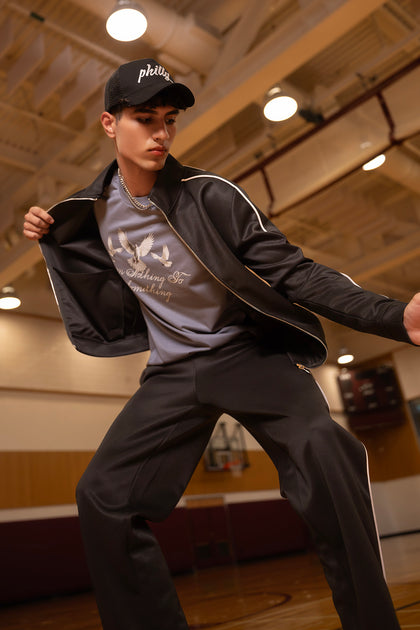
303,368
300,366
233,292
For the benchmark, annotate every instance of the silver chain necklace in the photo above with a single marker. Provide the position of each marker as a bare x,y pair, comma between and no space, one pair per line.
136,203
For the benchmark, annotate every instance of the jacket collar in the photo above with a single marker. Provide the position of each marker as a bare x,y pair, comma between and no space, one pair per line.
164,193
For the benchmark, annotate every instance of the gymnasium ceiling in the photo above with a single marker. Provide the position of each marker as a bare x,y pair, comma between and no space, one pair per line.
354,67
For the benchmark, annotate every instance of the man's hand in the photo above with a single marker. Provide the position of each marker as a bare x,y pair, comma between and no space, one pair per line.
37,223
412,319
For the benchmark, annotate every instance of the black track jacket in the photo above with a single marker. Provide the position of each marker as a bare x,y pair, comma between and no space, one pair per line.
234,241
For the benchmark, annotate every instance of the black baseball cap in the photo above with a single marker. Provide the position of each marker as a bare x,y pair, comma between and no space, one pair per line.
136,82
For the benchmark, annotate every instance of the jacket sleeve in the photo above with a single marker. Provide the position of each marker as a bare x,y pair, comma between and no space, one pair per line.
325,291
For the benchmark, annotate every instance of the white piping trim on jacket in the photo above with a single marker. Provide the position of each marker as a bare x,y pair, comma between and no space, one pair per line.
373,511
358,285
227,287
72,199
351,280
233,186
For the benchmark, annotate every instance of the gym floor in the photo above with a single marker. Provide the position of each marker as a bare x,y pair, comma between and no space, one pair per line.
287,592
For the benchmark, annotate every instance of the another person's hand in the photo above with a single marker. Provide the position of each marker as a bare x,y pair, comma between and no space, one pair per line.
37,223
412,319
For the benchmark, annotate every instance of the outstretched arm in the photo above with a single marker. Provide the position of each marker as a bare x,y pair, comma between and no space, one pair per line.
263,249
37,223
412,319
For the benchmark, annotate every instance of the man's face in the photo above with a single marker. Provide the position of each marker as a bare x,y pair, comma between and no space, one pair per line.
143,135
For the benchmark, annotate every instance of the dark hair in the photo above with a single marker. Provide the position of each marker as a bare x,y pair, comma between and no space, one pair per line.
164,98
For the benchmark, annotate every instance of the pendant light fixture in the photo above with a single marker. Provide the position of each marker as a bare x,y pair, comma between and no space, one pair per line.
127,21
9,299
345,357
279,106
376,162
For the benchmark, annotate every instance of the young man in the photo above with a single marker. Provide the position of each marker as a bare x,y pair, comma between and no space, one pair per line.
158,255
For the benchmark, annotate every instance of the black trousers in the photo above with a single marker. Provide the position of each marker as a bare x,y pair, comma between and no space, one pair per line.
147,457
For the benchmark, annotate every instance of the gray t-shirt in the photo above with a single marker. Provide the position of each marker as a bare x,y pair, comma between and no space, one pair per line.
186,310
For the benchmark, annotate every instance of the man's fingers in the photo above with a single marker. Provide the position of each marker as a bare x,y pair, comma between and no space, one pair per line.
39,228
36,229
32,236
37,223
38,217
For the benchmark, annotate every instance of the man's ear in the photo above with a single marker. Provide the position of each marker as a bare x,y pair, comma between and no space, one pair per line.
108,123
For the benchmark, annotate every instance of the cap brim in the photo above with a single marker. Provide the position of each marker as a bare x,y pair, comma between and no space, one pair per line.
183,95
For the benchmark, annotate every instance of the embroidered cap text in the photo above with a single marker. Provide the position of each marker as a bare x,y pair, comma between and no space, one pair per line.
150,72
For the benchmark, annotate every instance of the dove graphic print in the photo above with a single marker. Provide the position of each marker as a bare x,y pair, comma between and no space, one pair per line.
182,305
138,251
155,255
164,257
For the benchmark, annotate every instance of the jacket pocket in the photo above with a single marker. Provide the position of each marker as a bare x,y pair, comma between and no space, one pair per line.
91,304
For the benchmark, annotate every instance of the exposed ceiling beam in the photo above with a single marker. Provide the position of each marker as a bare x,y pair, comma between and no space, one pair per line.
18,158
69,36
386,258
21,196
58,72
26,64
19,259
371,265
241,37
85,84
170,34
293,44
6,37
76,175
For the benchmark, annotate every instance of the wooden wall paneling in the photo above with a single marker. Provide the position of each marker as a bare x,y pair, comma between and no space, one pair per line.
37,478
260,475
393,451
34,478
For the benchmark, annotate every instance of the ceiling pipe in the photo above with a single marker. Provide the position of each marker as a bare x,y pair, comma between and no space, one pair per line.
182,38
324,187
269,190
400,168
366,96
169,33
363,98
388,117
